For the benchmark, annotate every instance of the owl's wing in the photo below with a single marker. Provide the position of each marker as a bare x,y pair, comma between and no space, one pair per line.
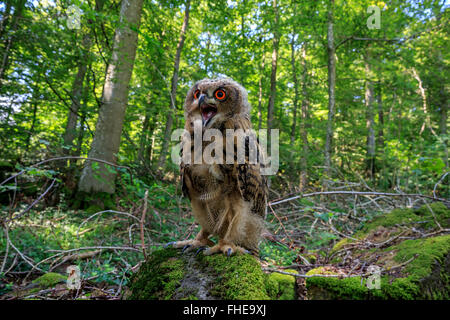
251,183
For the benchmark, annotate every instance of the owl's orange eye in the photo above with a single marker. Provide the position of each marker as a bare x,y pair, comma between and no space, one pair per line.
220,94
196,94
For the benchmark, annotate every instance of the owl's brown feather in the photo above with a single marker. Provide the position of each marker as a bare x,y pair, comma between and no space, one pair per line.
228,200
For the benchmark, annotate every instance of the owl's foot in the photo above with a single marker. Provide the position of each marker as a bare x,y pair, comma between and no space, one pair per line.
227,248
189,245
201,241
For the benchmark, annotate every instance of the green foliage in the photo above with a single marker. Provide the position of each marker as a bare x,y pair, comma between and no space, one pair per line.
278,254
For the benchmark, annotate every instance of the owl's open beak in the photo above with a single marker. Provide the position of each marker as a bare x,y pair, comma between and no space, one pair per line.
208,111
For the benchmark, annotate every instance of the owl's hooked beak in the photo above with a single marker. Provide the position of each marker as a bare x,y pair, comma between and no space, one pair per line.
208,110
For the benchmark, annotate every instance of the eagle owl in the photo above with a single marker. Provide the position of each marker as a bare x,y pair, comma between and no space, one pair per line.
228,198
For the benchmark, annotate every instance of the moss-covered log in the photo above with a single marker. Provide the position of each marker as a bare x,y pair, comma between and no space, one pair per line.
171,274
424,271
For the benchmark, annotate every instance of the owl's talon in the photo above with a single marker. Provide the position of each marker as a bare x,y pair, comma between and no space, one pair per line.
229,252
200,250
185,247
169,244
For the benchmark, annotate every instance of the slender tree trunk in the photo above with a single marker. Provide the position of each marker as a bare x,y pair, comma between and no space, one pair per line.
5,18
370,122
273,76
173,91
77,89
208,48
106,142
143,139
295,80
260,92
379,100
9,42
33,124
443,108
147,131
80,133
331,88
82,119
304,124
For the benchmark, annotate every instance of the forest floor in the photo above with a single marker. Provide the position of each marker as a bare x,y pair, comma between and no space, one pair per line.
42,240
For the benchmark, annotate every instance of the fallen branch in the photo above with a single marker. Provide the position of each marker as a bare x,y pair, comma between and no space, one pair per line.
361,193
31,205
142,223
298,275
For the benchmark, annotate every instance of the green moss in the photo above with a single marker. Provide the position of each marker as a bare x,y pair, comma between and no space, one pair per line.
425,277
411,216
340,244
237,278
49,280
281,286
169,274
159,276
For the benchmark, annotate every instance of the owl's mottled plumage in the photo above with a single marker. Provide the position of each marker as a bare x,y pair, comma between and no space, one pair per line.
228,200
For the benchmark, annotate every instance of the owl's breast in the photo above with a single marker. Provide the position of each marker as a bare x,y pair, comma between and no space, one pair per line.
207,182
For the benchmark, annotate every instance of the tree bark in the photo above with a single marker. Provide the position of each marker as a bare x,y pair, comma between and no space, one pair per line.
295,80
379,99
273,76
5,17
304,124
106,142
174,85
331,50
9,42
443,108
260,88
77,89
370,122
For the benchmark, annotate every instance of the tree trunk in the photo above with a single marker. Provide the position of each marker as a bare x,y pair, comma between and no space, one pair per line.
148,127
295,80
5,18
273,76
260,92
380,141
443,107
9,42
77,89
304,124
106,142
370,122
173,91
331,88
33,124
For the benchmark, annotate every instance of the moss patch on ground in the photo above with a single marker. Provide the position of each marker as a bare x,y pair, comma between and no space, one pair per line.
410,217
426,276
171,274
49,280
281,286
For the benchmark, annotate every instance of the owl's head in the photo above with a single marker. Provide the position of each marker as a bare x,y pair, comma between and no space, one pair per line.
214,101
